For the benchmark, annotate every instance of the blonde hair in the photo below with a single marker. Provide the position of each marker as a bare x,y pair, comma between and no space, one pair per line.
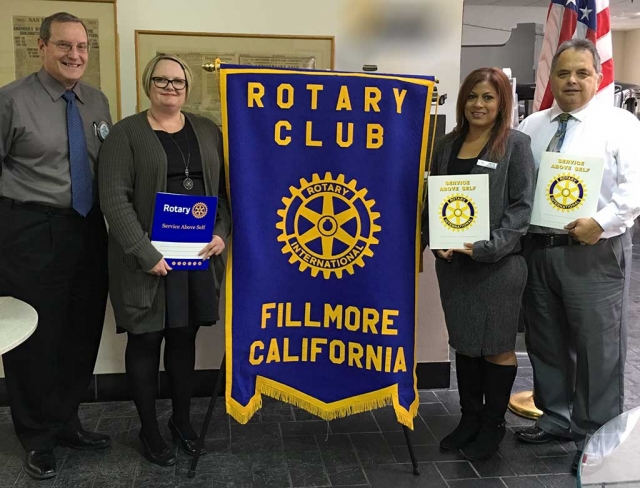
147,74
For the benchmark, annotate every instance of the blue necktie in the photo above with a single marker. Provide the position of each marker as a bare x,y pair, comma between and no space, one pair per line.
81,183
555,144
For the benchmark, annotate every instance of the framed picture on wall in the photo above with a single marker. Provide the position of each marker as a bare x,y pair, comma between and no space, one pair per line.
19,31
199,48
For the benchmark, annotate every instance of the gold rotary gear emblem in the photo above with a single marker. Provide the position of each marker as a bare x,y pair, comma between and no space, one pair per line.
199,210
458,212
566,192
327,225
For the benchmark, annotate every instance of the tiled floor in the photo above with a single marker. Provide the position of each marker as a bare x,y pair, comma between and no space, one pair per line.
286,447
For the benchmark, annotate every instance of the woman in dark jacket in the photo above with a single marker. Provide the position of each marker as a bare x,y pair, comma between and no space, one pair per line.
161,150
481,286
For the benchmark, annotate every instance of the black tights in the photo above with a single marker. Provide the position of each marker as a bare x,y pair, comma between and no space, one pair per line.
142,359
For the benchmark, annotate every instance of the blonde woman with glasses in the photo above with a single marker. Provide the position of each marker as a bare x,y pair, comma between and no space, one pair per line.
162,149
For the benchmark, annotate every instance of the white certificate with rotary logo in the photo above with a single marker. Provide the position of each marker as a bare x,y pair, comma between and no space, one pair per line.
458,210
568,188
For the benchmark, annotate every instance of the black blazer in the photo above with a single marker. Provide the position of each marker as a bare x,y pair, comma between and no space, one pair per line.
511,191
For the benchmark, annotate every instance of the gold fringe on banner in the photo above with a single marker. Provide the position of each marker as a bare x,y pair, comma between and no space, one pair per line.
241,414
326,411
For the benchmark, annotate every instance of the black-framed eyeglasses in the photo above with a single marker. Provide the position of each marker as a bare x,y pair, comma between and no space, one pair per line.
66,47
162,82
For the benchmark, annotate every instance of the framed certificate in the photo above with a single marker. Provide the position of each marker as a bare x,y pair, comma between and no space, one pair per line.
568,188
20,29
199,48
458,210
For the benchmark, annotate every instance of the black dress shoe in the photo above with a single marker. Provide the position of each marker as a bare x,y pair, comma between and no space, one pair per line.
40,464
576,462
189,446
534,435
84,440
163,458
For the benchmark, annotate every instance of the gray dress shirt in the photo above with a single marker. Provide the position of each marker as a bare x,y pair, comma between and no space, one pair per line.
34,149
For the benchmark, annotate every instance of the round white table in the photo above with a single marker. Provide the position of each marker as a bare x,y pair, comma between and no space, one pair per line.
611,456
18,321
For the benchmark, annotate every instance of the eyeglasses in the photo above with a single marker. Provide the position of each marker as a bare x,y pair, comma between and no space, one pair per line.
66,47
161,82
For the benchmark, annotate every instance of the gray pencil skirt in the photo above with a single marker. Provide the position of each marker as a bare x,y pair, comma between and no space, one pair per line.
481,302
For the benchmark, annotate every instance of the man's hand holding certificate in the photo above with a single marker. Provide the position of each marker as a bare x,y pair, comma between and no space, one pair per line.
183,230
567,191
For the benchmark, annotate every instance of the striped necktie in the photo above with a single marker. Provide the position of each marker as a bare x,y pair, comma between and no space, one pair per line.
555,144
79,167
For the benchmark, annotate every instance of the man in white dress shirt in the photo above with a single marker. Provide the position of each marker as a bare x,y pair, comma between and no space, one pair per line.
576,297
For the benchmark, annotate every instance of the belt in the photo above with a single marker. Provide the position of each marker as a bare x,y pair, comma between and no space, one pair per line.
552,240
37,207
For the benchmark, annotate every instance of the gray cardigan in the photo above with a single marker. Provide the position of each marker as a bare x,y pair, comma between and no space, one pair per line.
132,169
511,190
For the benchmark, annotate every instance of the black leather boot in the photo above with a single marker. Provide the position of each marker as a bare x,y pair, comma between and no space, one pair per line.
498,381
469,372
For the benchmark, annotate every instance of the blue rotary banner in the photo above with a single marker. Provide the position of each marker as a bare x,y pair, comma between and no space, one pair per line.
325,176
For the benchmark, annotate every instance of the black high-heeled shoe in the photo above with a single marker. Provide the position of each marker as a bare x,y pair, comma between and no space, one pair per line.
163,458
188,446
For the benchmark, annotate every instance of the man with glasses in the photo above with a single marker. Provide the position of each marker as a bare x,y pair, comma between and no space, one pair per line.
53,242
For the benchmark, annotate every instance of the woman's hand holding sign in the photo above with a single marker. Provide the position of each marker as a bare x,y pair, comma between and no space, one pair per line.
216,246
442,254
448,254
160,269
468,249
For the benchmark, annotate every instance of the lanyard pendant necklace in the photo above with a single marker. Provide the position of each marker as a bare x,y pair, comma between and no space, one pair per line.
187,183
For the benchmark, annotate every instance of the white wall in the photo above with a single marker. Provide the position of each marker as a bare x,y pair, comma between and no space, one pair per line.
627,59
618,40
435,52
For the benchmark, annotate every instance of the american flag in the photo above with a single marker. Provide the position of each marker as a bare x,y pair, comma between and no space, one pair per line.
567,19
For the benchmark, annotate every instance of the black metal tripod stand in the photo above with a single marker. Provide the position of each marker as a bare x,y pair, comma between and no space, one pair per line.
207,420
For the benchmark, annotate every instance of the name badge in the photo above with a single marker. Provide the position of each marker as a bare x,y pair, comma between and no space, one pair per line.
487,164
101,129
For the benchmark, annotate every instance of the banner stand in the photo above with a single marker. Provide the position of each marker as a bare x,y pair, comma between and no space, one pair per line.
436,100
207,420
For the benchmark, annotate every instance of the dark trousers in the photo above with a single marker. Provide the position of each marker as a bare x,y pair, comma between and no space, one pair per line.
56,261
575,304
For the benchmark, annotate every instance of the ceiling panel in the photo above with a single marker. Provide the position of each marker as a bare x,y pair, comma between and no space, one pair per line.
625,14
514,3
505,3
614,5
540,3
480,2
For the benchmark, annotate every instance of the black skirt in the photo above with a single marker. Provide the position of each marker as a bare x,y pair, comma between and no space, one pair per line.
481,302
191,298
